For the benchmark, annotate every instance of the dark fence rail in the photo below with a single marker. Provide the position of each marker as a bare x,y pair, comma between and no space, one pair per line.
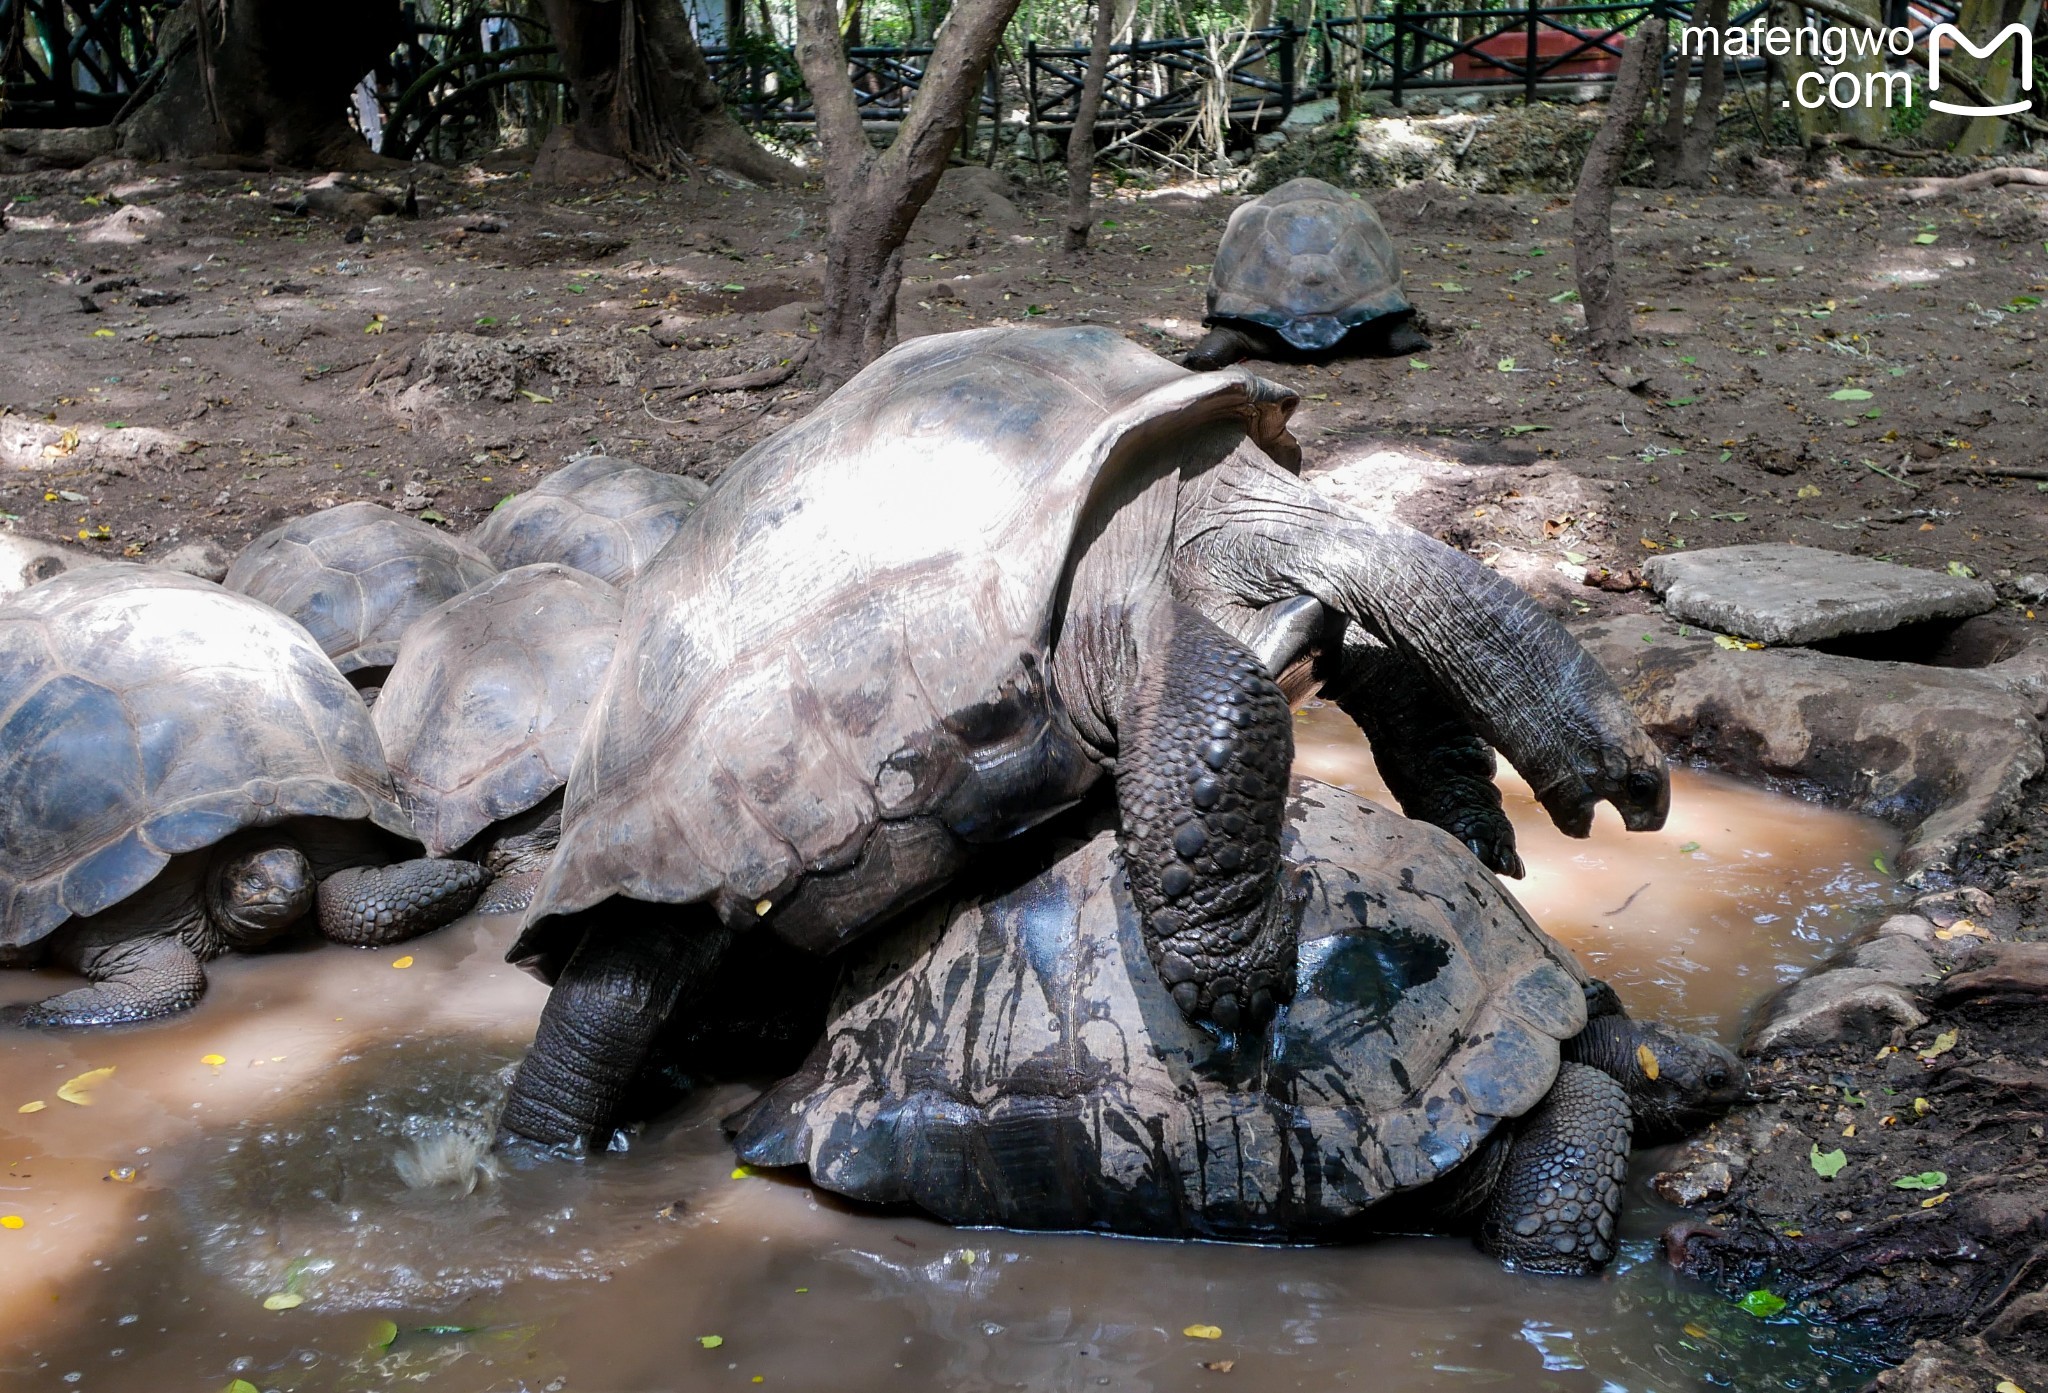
76,62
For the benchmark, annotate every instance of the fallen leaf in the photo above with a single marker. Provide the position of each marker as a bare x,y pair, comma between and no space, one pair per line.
216,1060
1927,239
1926,1180
2006,1385
103,333
535,397
1809,491
122,1175
37,1106
1933,1200
11,1221
711,1341
431,516
1878,862
1417,365
283,1301
383,1334
1219,1366
1960,571
1647,1057
1203,1332
1827,1164
1962,928
1762,1303
1943,1043
1850,394
79,1090
402,963
1921,1107
742,1172
1688,848
241,1385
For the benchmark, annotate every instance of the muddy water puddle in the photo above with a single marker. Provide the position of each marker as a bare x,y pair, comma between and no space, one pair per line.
233,1202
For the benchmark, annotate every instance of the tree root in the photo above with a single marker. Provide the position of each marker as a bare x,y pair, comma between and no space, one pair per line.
753,381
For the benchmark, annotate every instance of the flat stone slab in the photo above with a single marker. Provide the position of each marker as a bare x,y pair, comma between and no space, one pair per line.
1797,595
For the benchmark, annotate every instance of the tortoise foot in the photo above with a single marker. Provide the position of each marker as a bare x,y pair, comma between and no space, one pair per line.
1557,1204
370,906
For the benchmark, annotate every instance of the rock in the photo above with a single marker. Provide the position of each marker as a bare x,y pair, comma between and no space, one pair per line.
207,559
25,561
1896,958
562,162
2031,587
1848,1005
1916,927
1695,1185
968,197
794,317
1315,113
63,147
1796,595
123,226
1940,752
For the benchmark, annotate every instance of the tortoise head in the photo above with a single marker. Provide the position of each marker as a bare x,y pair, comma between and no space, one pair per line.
1676,1082
258,892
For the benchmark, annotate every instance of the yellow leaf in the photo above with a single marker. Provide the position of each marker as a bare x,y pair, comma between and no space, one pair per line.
103,333
216,1060
402,963
2006,1385
742,1172
79,1090
711,1341
1809,491
282,1301
37,1106
1921,1107
124,1175
11,1221
1795,1233
761,908
1647,1057
1943,1043
1203,1332
1850,1130
1698,1332
1933,1200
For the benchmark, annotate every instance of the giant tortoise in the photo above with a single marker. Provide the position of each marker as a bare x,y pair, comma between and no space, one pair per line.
1011,1058
1303,270
598,514
481,713
180,767
993,567
356,575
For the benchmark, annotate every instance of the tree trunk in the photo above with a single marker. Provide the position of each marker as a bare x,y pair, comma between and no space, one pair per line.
874,197
1600,287
262,81
1980,19
1684,150
1081,144
643,95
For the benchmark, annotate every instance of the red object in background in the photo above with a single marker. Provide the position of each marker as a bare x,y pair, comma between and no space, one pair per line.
1513,48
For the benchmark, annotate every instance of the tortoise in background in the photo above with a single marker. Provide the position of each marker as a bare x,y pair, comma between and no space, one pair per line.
355,576
481,713
1306,269
1012,1059
601,515
935,612
183,772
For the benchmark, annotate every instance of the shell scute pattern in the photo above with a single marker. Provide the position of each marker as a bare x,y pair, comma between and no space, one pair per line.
1308,260
603,516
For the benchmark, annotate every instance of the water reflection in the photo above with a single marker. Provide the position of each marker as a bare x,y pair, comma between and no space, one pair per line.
277,1172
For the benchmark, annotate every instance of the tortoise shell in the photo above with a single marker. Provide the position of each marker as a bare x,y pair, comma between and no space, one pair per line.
150,713
1013,1058
834,682
598,514
1309,261
356,576
481,713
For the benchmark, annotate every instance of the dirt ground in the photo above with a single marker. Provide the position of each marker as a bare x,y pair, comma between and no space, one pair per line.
189,357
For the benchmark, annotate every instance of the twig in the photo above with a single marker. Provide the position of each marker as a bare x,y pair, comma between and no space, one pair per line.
1982,179
743,381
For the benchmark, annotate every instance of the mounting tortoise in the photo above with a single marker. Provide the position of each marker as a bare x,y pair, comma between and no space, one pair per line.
356,575
480,715
183,772
601,515
1012,1059
1302,271
992,568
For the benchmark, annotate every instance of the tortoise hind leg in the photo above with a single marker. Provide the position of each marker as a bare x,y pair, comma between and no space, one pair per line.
1403,338
1220,347
1203,749
614,995
1558,1200
370,906
141,979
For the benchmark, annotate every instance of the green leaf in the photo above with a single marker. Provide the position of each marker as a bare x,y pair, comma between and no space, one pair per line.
1827,1164
1761,1303
1689,361
1926,1180
1927,239
503,501
431,516
1505,365
1522,429
241,1385
1873,413
1849,394
116,425
1417,365
1517,277
1681,401
711,1341
383,1334
1450,287
1960,571
1577,558
1689,848
535,396
1564,297
579,289
2019,304
1538,251
485,321
1034,309
732,285
447,1329
1878,862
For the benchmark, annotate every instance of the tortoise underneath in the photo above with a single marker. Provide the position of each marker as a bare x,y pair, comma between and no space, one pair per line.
1013,1060
1302,272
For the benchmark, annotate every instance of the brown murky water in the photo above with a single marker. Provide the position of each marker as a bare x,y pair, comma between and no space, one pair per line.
157,1220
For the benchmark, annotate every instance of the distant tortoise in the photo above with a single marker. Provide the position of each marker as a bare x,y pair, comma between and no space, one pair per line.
481,713
179,767
1303,270
1014,1060
600,515
356,576
932,614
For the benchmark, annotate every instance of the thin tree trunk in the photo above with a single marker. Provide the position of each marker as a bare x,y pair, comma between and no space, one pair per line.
1081,143
1696,158
643,94
1600,287
261,80
874,197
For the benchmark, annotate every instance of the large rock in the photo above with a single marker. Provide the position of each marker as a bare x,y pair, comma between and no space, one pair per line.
1786,594
1940,752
